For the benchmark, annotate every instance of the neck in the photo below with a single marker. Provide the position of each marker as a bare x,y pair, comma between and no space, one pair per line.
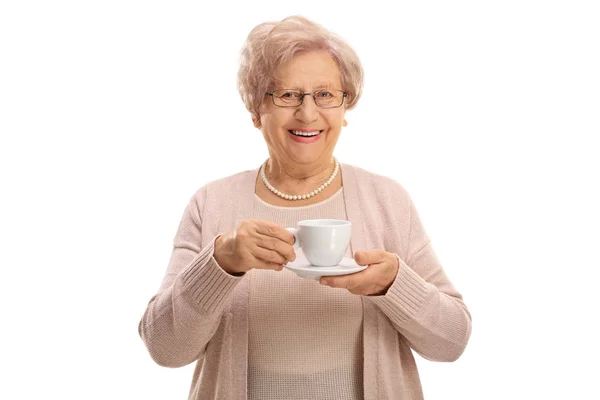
298,178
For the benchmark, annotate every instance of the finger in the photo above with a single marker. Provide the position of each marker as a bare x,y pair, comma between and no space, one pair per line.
268,256
345,281
271,229
260,264
369,257
276,244
358,281
353,285
337,282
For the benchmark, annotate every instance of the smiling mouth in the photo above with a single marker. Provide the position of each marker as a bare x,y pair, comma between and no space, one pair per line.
305,134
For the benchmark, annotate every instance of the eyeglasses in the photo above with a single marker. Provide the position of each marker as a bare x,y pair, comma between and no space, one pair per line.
324,98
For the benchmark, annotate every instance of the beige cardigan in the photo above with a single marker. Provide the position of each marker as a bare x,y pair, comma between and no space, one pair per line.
200,313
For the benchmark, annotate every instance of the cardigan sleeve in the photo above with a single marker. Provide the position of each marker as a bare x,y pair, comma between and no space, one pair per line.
182,317
423,304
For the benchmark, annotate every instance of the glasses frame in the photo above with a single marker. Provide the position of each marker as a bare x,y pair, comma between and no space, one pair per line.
313,94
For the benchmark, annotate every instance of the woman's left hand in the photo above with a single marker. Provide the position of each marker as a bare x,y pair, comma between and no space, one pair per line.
375,280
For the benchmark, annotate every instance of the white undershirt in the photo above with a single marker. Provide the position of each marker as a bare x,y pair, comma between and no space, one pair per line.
305,339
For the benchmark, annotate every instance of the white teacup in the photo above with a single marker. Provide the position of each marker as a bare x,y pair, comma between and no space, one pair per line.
323,241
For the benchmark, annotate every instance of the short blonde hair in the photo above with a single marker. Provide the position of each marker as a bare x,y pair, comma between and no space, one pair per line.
272,44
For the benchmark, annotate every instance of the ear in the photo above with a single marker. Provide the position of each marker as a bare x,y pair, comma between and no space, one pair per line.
345,122
256,121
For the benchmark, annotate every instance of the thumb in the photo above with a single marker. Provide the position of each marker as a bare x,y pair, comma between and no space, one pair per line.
368,257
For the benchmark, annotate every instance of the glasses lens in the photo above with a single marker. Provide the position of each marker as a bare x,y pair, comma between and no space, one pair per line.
287,98
329,98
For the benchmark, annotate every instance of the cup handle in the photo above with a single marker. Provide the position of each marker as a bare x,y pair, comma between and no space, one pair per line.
294,232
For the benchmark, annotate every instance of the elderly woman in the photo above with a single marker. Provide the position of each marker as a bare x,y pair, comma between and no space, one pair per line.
255,329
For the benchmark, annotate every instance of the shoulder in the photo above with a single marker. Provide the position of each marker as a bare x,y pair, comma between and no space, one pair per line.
232,183
376,185
225,188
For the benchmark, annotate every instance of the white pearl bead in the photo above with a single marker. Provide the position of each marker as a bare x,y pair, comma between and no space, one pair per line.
298,197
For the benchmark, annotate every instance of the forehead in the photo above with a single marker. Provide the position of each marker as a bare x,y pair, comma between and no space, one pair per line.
309,70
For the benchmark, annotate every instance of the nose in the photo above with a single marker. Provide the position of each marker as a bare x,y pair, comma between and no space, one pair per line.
307,111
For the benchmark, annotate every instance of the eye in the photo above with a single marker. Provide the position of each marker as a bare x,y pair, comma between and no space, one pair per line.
290,95
324,94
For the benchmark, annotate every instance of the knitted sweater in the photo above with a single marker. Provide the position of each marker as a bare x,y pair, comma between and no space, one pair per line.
201,314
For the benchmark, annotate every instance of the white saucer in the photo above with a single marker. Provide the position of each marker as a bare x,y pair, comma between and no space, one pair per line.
301,267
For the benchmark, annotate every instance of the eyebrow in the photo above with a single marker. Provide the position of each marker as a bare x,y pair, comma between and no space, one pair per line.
317,87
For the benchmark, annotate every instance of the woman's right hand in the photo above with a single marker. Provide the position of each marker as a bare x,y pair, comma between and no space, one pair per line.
254,244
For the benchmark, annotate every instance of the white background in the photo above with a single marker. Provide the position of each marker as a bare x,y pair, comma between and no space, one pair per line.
112,113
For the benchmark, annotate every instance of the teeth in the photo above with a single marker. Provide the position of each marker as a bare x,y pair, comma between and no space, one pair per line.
308,134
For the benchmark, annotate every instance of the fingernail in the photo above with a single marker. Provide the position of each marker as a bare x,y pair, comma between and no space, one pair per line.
323,282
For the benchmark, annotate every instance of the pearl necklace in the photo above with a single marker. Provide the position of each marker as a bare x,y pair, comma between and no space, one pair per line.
298,196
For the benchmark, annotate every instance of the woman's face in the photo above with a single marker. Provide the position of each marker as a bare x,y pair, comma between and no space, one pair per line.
307,72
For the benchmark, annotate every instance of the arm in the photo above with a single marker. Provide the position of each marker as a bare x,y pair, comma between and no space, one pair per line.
182,317
423,304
